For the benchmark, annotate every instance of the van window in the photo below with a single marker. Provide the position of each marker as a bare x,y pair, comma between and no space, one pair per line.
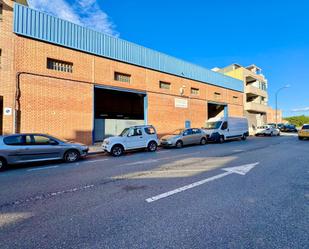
224,126
213,125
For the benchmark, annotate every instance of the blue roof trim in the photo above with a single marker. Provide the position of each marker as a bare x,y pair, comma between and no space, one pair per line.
39,25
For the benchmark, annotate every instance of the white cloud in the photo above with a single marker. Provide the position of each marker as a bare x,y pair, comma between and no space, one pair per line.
83,12
304,109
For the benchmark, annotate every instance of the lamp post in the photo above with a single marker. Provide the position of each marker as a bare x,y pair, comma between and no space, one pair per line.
284,87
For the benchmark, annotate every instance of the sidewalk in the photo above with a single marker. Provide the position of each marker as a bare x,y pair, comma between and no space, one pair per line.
95,149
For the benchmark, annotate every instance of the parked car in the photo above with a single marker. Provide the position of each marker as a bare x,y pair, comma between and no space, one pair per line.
132,138
221,129
278,125
304,132
24,148
267,130
288,128
182,137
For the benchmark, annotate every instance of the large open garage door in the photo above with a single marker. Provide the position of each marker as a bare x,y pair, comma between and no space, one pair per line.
217,110
116,109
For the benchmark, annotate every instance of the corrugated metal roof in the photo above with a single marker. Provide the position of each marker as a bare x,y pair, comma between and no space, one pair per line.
39,25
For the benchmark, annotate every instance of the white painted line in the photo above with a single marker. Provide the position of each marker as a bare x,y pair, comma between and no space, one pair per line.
43,168
241,170
184,188
142,162
238,150
95,161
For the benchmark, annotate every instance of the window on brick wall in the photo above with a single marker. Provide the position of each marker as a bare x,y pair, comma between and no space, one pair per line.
62,66
1,11
217,95
164,85
235,99
122,77
195,91
0,57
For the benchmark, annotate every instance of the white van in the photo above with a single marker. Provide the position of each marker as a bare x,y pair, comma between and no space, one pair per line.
221,129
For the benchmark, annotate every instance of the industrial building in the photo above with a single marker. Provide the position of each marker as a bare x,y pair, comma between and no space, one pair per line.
78,84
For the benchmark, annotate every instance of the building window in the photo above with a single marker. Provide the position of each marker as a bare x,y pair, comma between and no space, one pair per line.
62,66
235,99
1,11
217,95
195,91
165,85
122,77
0,57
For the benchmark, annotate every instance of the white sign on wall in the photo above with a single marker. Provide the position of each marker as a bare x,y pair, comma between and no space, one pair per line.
181,103
7,111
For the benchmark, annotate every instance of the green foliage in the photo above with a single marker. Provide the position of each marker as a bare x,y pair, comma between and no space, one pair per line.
298,120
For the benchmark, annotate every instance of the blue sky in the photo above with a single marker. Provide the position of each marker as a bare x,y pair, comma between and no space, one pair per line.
272,34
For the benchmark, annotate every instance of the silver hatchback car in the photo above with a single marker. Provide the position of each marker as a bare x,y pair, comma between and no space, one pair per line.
183,137
24,148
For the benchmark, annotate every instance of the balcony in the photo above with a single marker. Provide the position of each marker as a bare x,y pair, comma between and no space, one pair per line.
256,107
252,90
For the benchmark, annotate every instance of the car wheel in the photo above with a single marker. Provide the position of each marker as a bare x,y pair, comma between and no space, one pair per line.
117,150
244,137
300,138
71,156
271,134
278,134
221,139
3,164
203,141
152,146
179,144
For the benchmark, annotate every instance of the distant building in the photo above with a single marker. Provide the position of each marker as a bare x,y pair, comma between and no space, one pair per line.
271,116
255,92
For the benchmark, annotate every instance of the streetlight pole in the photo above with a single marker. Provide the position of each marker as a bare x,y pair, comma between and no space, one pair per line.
286,86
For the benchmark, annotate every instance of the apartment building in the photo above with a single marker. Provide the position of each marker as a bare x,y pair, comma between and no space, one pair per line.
78,84
255,92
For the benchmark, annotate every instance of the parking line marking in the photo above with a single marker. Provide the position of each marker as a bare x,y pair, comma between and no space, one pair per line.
43,168
94,161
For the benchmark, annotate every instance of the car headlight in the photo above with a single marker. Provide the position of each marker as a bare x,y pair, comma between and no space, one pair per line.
106,142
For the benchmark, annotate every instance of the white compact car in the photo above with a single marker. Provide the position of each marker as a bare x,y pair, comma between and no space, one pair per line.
132,138
267,130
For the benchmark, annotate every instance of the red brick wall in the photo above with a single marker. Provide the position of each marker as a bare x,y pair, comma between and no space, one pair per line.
63,108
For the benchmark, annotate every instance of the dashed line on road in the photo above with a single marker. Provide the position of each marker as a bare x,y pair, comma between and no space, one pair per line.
43,168
45,196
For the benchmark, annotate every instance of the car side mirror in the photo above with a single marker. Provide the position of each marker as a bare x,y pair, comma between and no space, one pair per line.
53,143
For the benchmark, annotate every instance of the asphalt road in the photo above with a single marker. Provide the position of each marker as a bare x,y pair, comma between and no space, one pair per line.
101,202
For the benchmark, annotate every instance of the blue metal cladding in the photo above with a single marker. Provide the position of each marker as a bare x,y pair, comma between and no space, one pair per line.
41,26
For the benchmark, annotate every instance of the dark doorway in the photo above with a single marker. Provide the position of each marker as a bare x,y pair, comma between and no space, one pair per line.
114,110
216,110
1,115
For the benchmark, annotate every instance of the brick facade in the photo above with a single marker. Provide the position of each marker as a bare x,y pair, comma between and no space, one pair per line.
61,104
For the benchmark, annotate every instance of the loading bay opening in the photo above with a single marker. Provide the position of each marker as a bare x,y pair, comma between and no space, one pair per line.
116,109
217,110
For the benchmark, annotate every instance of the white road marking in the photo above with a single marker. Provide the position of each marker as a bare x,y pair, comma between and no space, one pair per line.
238,150
43,168
95,161
142,162
241,170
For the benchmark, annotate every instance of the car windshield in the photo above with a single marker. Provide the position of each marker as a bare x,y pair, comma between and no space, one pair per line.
177,132
306,127
124,132
213,125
